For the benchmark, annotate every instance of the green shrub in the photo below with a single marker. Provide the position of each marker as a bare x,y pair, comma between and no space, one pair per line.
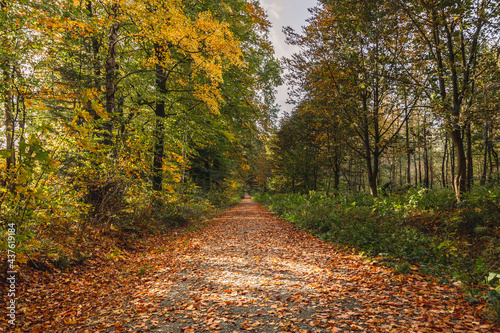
425,199
377,225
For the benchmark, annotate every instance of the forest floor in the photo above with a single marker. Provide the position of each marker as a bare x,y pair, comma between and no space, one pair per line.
246,271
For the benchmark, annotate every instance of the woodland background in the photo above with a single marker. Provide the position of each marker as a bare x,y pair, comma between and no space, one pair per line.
124,118
128,115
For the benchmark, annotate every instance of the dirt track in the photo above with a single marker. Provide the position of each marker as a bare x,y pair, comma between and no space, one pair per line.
246,271
252,271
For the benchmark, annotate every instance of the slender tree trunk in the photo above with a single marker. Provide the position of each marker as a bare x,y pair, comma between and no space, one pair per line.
184,154
351,182
456,135
415,167
336,174
408,152
470,166
426,157
408,164
461,164
431,171
450,163
443,163
420,169
400,172
110,76
96,67
452,166
497,161
371,169
492,156
376,143
9,120
9,123
485,154
158,153
364,185
426,168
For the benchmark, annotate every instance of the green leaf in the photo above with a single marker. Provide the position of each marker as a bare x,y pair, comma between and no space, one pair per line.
4,153
492,276
22,147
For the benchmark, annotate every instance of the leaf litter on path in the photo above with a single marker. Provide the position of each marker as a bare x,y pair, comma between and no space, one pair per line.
248,271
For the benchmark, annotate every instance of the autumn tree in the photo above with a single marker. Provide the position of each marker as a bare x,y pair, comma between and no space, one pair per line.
448,37
357,44
112,103
296,152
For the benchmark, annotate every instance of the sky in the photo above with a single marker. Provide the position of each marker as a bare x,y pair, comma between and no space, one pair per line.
283,13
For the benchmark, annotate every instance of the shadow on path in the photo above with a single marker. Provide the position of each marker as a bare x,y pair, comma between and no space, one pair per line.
250,271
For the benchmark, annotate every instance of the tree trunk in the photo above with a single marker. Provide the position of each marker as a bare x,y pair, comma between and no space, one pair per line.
110,77
336,174
452,166
470,166
415,167
351,181
408,152
454,120
371,169
426,157
431,171
461,164
426,168
497,161
158,153
96,68
400,172
443,163
485,154
184,154
420,169
9,121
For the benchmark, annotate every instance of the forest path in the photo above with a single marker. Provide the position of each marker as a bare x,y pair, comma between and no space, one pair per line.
251,271
246,271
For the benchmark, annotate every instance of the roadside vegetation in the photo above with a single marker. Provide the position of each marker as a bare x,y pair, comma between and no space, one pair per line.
420,230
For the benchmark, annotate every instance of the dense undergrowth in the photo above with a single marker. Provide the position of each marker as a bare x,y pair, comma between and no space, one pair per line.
421,230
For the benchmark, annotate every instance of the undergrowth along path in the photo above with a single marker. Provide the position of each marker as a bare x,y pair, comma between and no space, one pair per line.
250,271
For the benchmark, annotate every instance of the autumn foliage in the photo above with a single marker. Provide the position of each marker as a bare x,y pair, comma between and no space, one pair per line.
124,114
125,121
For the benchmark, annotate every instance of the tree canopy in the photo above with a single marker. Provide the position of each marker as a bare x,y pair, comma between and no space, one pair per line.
121,112
395,85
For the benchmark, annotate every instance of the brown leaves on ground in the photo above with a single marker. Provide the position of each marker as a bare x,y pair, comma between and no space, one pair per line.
247,271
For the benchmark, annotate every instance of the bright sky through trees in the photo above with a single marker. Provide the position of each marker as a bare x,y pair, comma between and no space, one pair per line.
293,13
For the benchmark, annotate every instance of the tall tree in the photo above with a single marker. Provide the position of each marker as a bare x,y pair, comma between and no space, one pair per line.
359,61
450,35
